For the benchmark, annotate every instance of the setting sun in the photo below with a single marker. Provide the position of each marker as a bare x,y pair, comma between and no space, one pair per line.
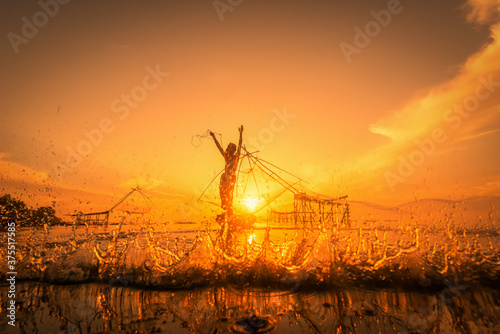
251,202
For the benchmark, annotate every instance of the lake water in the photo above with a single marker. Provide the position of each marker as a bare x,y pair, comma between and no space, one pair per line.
196,279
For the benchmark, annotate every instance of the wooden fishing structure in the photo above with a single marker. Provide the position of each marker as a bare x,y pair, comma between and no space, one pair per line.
314,211
309,209
102,218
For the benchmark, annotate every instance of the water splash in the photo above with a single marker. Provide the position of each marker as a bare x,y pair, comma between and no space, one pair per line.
409,257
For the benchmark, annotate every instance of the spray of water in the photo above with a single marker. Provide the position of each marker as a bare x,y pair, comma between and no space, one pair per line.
410,256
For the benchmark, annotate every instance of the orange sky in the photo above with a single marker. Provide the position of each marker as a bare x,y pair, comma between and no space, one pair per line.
142,78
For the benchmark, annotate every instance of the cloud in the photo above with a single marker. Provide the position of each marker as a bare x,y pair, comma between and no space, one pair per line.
477,135
442,108
13,171
146,183
418,116
483,11
490,188
426,113
450,100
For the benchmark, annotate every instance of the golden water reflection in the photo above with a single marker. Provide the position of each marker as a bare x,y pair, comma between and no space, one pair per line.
101,308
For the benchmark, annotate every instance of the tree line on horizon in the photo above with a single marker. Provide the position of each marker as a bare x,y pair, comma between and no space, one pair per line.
15,210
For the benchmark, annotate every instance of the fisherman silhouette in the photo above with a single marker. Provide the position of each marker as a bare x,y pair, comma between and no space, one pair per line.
228,179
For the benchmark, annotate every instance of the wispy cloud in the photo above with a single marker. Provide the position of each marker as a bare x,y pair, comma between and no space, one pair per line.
463,108
483,11
147,183
424,114
477,135
13,171
489,188
427,112
437,108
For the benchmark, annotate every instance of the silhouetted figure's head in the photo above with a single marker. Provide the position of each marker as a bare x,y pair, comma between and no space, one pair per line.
231,149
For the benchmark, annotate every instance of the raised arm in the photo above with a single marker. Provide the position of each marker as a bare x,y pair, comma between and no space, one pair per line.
217,143
241,139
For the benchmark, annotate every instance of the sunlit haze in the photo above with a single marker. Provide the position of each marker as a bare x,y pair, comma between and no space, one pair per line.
383,101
